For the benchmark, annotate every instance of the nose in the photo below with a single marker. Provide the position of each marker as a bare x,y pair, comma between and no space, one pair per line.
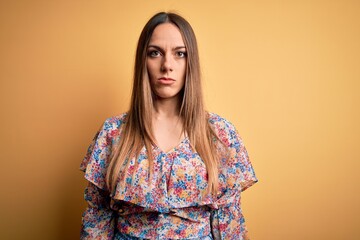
167,64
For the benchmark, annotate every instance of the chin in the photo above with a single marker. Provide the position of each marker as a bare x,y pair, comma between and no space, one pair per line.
166,95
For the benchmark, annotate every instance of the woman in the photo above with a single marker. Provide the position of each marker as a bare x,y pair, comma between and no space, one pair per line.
166,169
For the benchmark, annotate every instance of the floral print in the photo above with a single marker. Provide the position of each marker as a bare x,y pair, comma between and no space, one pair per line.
173,204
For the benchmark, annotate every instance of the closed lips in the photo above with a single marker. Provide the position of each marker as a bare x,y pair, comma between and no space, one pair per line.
167,79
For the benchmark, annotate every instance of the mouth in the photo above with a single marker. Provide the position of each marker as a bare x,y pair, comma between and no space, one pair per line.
166,81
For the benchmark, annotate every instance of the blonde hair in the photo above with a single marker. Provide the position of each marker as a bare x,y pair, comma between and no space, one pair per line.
138,131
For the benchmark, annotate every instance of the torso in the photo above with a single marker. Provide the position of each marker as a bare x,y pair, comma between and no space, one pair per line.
173,203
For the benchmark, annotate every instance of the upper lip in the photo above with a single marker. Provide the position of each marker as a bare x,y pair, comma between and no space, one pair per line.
165,78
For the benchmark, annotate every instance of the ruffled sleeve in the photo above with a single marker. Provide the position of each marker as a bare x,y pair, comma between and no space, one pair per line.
98,220
236,174
96,159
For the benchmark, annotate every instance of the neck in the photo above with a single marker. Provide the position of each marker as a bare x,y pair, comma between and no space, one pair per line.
167,108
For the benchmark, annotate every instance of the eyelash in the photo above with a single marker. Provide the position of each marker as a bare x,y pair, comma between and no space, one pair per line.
156,53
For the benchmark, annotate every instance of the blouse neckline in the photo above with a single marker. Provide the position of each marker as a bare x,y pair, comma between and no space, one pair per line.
185,140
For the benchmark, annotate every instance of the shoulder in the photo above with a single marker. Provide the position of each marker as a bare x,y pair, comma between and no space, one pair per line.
110,130
114,122
224,129
216,120
112,125
220,123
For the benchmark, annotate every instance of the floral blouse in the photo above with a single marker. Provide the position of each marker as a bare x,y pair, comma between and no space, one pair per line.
174,203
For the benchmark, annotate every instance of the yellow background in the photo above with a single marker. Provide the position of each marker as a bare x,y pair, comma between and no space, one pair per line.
286,73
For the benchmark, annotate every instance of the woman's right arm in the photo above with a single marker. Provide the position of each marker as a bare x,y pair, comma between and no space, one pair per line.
98,220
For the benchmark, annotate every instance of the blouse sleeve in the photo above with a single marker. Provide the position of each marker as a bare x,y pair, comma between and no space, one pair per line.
236,175
98,220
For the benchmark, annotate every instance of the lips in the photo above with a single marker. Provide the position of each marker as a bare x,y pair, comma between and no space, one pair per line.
166,81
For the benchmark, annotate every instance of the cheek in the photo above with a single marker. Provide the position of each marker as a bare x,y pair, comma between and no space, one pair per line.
150,69
183,70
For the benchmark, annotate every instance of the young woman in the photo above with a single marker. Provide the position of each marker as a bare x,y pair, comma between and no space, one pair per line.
166,169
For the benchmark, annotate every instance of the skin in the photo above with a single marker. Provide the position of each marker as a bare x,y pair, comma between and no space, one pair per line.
166,65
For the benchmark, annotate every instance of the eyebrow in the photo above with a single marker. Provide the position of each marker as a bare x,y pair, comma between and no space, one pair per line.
159,48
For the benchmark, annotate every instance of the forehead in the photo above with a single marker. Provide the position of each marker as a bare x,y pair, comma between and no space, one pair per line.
167,34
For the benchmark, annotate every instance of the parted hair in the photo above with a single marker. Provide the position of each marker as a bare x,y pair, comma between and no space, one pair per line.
138,131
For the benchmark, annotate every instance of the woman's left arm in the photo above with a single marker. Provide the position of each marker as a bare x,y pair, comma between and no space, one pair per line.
227,222
236,175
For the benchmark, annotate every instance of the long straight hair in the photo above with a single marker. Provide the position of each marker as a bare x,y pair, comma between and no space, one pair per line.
138,131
